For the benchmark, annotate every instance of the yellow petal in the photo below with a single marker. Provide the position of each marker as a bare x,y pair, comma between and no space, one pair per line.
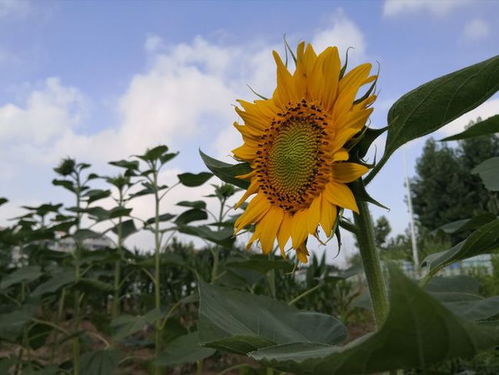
284,232
258,207
269,227
302,253
348,172
314,215
252,189
285,92
340,195
341,155
328,216
331,71
342,137
245,152
299,228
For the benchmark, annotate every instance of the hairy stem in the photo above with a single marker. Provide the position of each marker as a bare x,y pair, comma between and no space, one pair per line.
371,262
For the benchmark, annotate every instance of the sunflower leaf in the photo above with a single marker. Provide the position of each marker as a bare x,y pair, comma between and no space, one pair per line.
485,127
488,171
418,332
436,103
227,172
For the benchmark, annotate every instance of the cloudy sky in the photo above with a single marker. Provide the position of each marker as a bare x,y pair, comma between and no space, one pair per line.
101,80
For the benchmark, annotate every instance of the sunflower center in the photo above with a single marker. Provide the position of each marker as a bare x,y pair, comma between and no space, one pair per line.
294,159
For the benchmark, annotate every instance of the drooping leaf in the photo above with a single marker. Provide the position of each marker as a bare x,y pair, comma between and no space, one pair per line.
240,322
223,237
127,228
24,274
83,234
227,172
3,201
132,165
66,184
200,205
100,362
488,171
126,325
194,179
91,284
189,216
484,127
57,281
154,153
163,217
482,241
418,332
184,349
96,194
436,103
467,224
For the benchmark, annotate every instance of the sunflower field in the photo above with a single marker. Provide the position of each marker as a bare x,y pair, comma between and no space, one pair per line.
77,298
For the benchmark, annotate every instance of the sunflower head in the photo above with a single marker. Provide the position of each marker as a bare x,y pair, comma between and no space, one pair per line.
297,146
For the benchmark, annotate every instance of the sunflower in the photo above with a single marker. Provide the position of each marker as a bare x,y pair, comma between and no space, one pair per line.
295,143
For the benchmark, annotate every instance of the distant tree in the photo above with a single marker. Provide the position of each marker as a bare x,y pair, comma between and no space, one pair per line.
444,189
382,229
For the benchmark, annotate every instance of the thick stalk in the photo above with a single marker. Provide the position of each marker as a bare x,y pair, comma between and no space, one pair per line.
371,262
157,294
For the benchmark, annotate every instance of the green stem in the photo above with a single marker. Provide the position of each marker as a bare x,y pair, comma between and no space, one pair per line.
371,262
157,294
117,265
76,255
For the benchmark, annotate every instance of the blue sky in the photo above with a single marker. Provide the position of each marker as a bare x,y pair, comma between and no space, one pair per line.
100,80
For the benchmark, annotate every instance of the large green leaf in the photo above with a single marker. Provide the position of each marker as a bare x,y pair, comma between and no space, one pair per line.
200,205
193,180
484,127
488,171
184,349
24,274
227,172
438,102
100,362
127,228
418,332
482,241
240,322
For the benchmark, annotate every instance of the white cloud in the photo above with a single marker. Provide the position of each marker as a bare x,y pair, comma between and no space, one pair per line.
476,29
13,8
436,7
186,93
343,33
486,110
153,43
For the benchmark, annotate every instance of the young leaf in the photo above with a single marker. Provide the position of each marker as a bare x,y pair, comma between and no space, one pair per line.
488,171
154,153
164,217
227,172
484,127
193,180
132,165
96,194
3,200
436,103
66,184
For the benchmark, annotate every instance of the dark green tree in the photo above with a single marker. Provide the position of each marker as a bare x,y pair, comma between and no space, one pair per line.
444,189
382,229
